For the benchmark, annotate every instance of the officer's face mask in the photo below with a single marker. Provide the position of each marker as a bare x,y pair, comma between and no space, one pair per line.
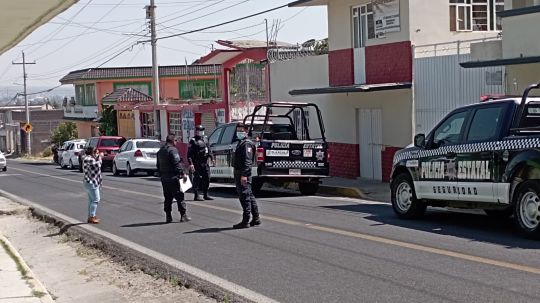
241,135
200,133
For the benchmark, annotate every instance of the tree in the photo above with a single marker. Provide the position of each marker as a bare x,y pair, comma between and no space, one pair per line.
64,132
108,122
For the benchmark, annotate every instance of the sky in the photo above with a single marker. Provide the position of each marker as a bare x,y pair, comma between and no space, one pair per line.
93,31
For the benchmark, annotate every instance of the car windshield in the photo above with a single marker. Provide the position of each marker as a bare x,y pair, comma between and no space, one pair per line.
148,144
110,142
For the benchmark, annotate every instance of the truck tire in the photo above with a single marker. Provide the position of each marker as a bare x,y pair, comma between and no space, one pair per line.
404,201
308,188
527,209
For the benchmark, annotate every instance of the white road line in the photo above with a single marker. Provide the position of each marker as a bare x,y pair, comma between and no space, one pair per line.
356,235
9,175
191,270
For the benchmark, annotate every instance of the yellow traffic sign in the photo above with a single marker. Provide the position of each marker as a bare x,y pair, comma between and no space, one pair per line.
27,127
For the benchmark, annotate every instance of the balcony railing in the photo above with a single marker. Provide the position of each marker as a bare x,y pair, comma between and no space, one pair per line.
80,112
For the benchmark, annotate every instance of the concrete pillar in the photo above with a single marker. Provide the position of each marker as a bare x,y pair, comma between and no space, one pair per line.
137,118
164,119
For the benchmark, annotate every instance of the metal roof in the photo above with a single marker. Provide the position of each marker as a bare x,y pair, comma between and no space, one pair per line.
19,18
139,72
125,95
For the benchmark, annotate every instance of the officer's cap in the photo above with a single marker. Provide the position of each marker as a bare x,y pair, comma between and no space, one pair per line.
199,127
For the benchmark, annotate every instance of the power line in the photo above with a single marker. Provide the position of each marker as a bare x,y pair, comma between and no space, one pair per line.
224,23
75,38
209,14
61,28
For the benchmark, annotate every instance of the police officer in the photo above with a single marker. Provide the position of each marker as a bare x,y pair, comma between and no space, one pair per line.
198,155
243,160
171,170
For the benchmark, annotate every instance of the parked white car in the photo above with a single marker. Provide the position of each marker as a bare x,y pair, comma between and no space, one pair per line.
70,156
3,162
136,155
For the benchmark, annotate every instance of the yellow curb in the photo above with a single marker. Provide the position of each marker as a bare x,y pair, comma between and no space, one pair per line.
351,192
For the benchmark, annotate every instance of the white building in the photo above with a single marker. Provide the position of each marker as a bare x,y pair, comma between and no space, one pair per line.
392,70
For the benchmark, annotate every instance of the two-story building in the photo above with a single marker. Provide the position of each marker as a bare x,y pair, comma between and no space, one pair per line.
392,70
93,86
518,50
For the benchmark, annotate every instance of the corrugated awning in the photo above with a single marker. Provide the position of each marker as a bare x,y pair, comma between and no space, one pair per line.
351,89
500,62
19,18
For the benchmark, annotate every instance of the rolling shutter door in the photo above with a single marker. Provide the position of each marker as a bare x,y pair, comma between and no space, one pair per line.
208,120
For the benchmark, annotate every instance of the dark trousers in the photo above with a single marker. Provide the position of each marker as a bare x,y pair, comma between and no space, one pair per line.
247,199
201,179
171,190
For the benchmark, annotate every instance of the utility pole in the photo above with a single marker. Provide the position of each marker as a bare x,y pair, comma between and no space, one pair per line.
24,63
269,88
151,14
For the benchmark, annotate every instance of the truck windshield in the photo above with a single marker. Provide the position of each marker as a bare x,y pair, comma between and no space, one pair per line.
288,123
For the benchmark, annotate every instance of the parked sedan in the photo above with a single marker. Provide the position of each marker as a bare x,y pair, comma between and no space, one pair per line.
3,162
70,156
137,155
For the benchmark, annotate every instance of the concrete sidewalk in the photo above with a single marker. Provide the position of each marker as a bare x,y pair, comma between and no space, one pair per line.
356,188
17,282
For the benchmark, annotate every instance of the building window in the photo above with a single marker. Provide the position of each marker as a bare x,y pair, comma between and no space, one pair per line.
90,95
198,89
147,125
143,87
175,125
475,15
79,95
363,24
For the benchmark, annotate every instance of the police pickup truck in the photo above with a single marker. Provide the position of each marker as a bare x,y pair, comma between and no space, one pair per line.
291,146
482,156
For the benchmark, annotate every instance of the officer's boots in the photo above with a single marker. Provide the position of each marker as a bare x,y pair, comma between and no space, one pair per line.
207,197
255,221
243,224
197,197
168,217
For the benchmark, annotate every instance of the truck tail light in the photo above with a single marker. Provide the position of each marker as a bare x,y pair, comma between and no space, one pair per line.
328,156
260,154
138,154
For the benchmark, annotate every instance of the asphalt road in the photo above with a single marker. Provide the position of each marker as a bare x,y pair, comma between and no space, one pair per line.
309,249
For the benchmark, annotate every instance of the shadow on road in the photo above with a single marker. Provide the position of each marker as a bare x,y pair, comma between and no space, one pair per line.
475,227
209,230
63,230
147,224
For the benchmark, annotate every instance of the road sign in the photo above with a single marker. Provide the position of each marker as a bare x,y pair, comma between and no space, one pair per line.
27,127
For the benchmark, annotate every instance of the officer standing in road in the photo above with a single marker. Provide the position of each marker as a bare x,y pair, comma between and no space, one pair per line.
171,170
243,161
198,155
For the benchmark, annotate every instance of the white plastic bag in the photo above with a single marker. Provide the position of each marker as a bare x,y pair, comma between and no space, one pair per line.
185,185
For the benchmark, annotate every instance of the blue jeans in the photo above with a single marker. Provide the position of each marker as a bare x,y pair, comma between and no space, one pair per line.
93,198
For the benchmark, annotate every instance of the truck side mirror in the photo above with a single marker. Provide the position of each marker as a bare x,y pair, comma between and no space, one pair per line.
420,140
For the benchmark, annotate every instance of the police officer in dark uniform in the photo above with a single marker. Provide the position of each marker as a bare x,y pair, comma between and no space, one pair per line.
198,155
243,161
171,170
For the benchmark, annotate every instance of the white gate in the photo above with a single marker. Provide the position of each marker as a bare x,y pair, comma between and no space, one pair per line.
441,84
370,132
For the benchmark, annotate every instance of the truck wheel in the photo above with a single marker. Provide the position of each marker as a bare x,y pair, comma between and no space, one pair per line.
308,189
404,201
527,209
